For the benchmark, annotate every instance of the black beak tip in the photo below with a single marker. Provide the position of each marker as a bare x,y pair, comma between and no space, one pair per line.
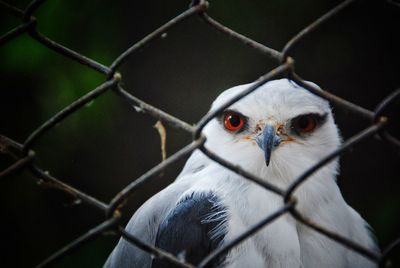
267,160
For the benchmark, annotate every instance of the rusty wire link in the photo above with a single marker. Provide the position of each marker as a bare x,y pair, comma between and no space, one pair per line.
381,109
24,154
292,42
16,32
153,111
247,234
373,129
156,252
66,112
74,245
134,185
124,56
18,165
261,81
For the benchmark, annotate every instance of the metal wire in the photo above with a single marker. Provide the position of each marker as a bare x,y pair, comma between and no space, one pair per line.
24,155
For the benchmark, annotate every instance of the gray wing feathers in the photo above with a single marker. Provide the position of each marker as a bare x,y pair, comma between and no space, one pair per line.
126,254
144,225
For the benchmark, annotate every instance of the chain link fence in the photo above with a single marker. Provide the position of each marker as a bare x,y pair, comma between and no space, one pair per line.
24,155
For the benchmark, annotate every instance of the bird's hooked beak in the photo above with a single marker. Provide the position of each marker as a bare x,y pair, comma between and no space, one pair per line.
268,140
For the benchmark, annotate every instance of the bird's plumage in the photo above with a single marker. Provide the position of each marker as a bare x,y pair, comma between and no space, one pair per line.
196,211
218,204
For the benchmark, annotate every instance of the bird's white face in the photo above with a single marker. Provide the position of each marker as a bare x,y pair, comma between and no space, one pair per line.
277,131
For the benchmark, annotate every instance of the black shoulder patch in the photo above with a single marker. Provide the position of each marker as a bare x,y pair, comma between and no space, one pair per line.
187,231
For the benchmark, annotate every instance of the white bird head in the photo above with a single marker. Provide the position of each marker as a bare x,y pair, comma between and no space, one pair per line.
280,129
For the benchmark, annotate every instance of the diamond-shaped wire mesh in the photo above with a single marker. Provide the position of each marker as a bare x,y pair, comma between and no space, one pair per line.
24,155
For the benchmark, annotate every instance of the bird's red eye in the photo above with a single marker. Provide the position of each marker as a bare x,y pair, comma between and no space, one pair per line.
233,121
304,123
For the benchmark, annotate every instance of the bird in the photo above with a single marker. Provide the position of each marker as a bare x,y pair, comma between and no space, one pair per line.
275,133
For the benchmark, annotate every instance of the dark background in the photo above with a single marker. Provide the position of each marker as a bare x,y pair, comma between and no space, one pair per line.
104,146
